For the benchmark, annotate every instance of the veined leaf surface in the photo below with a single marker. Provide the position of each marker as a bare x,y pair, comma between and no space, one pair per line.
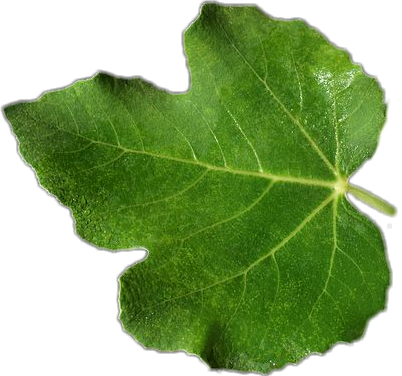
236,188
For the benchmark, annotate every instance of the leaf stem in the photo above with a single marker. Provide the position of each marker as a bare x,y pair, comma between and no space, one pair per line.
371,199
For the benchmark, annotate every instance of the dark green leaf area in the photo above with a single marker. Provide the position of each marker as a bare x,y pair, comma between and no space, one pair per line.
290,70
271,304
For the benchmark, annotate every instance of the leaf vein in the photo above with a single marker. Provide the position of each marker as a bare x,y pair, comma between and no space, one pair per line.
332,257
110,123
233,217
178,130
76,150
74,119
295,231
178,193
246,138
104,164
269,253
241,300
265,175
77,100
212,132
360,271
280,103
136,127
301,99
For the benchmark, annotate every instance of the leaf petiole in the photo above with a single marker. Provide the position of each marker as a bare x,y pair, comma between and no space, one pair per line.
371,199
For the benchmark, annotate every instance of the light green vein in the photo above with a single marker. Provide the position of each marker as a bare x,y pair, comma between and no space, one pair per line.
104,164
176,194
76,150
247,140
295,231
331,261
228,322
212,132
133,122
231,218
74,119
281,105
268,254
356,265
265,175
177,129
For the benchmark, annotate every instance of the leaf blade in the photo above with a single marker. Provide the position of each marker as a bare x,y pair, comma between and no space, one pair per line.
216,181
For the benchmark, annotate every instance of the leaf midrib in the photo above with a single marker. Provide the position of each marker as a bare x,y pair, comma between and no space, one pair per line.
311,141
261,175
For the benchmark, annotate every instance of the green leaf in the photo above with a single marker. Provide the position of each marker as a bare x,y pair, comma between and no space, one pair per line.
237,188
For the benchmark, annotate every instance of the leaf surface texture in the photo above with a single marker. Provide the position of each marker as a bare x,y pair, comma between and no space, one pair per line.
256,257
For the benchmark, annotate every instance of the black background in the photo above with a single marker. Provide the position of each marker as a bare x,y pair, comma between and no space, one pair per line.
59,294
